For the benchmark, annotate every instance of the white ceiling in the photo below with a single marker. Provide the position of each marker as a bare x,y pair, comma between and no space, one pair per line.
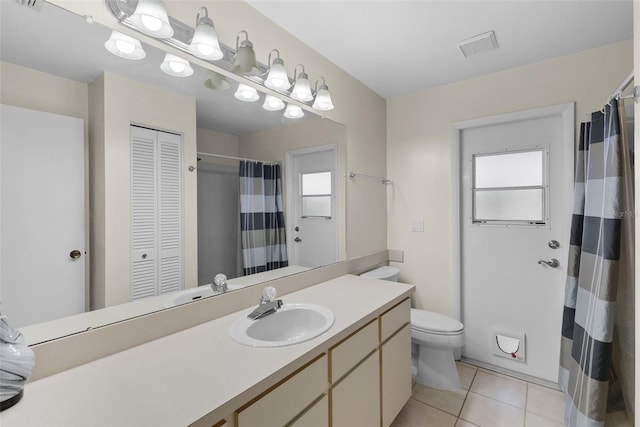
398,47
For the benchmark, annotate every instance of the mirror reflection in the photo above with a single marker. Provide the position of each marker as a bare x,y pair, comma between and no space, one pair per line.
126,189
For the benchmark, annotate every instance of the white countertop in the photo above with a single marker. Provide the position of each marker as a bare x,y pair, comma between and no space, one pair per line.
198,375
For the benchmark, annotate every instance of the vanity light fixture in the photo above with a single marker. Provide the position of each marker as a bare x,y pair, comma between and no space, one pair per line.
204,43
124,46
246,93
244,62
150,17
323,97
176,66
216,81
293,112
271,103
277,79
301,90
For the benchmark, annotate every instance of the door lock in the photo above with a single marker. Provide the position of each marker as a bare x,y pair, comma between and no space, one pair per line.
297,228
75,254
554,244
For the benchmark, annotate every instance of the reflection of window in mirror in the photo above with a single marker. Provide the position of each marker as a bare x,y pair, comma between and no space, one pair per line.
316,194
509,187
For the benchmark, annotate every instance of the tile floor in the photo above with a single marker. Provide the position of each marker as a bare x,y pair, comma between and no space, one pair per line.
488,399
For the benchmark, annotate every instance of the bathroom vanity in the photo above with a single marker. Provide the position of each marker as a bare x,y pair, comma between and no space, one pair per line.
356,373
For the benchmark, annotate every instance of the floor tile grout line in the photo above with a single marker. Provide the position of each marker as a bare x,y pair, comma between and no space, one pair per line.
526,405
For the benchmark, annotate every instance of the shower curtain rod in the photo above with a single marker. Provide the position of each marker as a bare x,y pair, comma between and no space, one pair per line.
617,94
235,158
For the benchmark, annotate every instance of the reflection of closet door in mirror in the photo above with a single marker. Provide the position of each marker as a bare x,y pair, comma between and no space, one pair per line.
42,269
156,212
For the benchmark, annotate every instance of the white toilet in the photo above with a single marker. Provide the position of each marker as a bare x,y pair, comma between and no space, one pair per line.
434,337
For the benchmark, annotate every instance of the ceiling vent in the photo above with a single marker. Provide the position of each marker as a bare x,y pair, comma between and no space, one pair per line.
31,4
477,44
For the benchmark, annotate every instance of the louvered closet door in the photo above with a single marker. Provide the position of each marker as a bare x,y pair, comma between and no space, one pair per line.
156,222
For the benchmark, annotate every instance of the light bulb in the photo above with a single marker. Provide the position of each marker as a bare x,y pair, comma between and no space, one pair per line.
176,66
293,112
151,22
271,103
125,46
246,93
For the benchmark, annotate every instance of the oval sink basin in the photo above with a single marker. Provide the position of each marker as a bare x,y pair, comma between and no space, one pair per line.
291,324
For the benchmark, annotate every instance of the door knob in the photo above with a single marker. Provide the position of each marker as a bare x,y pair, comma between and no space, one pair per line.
75,254
551,263
297,240
554,244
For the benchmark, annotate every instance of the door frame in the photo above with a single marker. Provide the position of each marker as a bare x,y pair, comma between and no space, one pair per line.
567,113
289,159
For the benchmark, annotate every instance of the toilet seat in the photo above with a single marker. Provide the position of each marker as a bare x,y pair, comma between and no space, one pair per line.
434,323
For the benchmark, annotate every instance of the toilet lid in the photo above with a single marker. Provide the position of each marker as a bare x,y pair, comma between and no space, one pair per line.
381,272
430,321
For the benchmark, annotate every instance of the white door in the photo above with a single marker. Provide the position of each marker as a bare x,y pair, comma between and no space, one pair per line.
156,212
515,202
312,233
42,216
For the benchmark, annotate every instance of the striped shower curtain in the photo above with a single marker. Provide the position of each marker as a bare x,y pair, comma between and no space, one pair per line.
593,268
264,244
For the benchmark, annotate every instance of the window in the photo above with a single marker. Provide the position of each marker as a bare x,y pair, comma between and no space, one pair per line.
510,187
316,194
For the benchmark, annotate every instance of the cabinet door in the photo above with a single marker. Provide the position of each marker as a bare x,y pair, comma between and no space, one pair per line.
356,399
396,374
316,416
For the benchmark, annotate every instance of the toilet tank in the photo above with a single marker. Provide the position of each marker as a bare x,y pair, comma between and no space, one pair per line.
383,273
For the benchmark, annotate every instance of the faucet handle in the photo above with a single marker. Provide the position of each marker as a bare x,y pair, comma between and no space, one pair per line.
268,294
220,279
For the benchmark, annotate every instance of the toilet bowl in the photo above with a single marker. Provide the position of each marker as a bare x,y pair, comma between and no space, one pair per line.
434,338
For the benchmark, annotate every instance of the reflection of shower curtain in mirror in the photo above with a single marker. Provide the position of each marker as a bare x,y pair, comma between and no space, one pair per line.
264,244
603,208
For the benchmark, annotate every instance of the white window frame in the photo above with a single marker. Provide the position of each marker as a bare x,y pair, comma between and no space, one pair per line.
544,149
330,195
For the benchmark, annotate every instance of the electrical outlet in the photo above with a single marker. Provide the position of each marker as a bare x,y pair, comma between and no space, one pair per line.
417,225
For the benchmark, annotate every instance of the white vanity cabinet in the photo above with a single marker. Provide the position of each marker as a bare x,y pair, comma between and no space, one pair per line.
284,403
355,379
395,360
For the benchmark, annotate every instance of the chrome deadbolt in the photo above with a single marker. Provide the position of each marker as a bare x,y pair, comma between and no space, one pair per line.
75,254
554,244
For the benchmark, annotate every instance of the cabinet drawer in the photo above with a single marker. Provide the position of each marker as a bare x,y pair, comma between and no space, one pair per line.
394,319
283,403
316,416
348,353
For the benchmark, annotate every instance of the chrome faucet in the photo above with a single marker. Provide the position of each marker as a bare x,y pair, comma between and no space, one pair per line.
267,304
219,285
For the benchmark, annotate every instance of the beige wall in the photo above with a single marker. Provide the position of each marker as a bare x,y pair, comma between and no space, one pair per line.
361,110
273,144
126,102
418,153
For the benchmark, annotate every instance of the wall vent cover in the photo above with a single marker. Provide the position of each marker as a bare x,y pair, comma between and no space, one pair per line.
476,44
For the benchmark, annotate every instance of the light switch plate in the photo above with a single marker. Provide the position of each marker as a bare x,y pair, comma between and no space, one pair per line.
417,225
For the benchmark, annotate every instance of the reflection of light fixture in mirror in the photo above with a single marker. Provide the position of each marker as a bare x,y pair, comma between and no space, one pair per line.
176,66
124,46
245,60
205,43
246,93
301,89
216,81
277,78
151,18
293,112
323,97
271,103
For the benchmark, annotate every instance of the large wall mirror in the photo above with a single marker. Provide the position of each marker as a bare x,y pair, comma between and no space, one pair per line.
173,179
